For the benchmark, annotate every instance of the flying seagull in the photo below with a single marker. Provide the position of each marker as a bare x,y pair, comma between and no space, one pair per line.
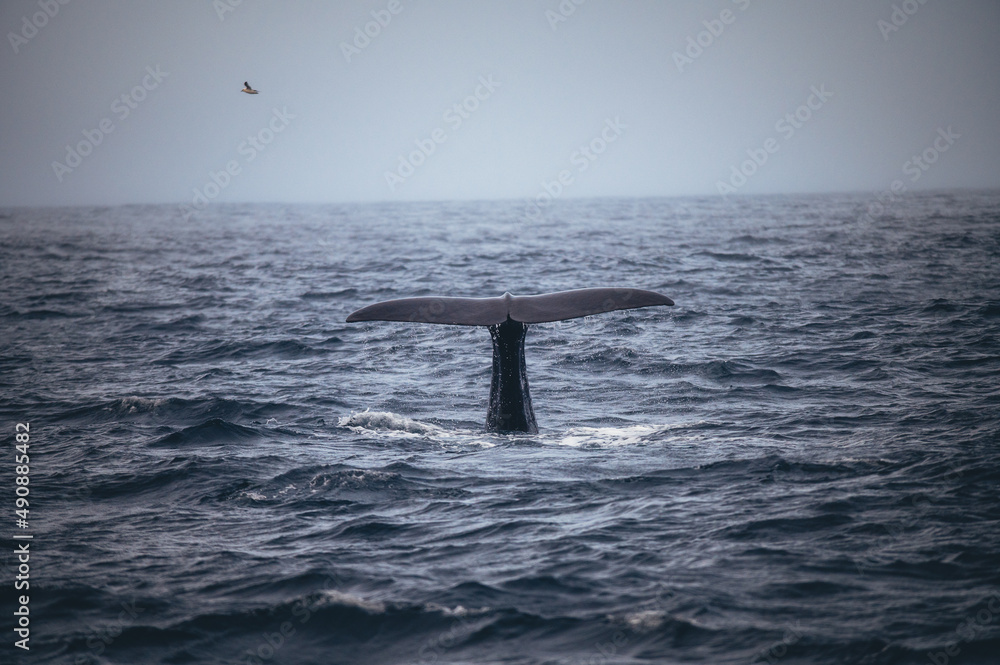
247,89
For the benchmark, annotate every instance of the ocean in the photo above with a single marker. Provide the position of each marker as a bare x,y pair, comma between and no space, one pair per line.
797,463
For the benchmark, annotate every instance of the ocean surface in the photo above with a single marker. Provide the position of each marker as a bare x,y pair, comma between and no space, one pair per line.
798,463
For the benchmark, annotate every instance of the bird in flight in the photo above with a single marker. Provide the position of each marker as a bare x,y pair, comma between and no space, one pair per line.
247,89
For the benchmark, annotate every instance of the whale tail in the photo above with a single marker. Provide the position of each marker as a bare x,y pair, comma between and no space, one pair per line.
526,309
507,317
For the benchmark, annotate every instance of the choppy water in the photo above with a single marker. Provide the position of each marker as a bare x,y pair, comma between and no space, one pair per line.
796,464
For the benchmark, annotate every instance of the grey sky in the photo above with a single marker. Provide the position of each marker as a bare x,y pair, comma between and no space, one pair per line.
607,77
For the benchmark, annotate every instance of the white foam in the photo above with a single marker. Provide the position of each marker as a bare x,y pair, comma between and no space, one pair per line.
457,611
340,598
390,424
387,421
645,621
361,477
134,404
578,437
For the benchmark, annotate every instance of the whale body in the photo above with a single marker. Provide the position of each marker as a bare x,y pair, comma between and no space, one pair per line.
507,318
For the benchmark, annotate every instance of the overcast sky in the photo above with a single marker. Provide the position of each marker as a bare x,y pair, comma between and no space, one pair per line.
108,102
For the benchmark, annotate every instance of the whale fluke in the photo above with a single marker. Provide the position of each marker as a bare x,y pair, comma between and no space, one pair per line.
526,309
508,317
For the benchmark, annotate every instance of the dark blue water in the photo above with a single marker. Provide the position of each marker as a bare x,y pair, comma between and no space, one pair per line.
797,463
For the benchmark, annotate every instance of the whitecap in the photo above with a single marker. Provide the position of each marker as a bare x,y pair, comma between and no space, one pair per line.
391,424
387,421
645,621
578,437
340,598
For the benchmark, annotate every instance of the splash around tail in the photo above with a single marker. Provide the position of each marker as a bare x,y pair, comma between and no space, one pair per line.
507,317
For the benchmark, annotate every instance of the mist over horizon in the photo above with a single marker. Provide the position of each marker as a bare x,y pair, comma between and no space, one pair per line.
396,100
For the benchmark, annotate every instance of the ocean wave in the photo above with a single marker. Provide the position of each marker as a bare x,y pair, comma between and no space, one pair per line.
214,431
803,451
218,349
731,371
730,256
179,478
172,410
